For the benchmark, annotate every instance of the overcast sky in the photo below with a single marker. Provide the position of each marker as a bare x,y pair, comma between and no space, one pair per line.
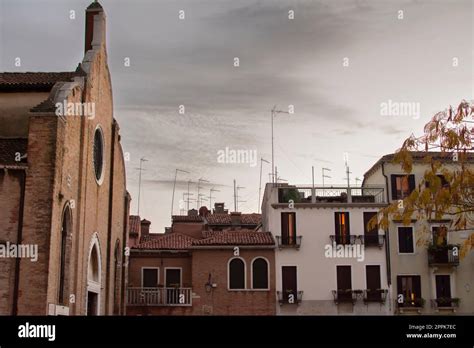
425,58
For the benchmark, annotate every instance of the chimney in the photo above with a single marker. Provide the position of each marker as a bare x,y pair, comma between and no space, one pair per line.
145,227
92,10
236,218
219,208
192,212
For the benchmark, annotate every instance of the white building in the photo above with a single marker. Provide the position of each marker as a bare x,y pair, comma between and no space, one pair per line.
310,224
428,275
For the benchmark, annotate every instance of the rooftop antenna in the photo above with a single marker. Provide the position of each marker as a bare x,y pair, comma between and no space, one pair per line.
210,196
143,159
324,170
357,180
260,185
274,113
348,172
174,186
199,187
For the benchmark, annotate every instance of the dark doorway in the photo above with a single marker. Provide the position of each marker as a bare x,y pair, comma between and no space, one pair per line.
289,284
92,300
443,291
344,283
173,283
150,277
374,292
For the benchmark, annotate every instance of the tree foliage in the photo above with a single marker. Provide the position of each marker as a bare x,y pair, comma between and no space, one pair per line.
446,147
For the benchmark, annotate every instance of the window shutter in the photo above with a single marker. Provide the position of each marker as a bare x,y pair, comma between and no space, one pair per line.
411,182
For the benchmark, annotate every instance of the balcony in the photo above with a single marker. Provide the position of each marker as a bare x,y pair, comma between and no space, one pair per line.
286,299
331,195
445,303
288,242
447,255
373,240
346,295
344,240
415,303
159,297
375,295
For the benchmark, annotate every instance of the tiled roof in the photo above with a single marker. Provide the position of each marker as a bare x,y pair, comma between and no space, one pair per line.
134,221
172,241
150,236
239,237
8,149
186,218
418,156
225,219
32,81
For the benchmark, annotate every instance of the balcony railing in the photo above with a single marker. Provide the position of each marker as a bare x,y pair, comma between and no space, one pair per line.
445,302
285,298
344,239
308,194
373,240
346,295
414,303
447,255
288,242
159,296
375,295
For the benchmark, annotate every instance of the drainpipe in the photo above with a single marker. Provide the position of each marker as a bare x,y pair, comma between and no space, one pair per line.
109,227
19,239
387,239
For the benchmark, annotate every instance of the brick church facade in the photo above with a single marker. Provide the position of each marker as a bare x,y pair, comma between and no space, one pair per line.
63,187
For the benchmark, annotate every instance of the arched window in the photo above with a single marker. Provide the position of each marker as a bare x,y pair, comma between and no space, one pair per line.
65,251
236,274
260,273
94,277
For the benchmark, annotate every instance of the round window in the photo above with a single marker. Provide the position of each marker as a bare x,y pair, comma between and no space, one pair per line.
98,154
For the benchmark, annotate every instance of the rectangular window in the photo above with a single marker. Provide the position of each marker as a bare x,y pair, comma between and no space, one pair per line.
149,277
371,236
288,228
402,186
410,289
440,235
344,283
443,291
342,232
289,284
405,240
372,273
444,182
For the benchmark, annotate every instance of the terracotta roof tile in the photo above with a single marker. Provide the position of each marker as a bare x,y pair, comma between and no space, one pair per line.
225,219
32,81
172,241
240,237
149,237
8,149
251,219
186,218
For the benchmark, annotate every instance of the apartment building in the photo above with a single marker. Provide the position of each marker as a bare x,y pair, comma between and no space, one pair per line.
194,270
425,270
329,260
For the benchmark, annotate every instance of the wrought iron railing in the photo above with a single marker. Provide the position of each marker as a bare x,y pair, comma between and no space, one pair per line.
443,255
411,303
372,240
159,296
346,295
288,242
445,302
343,239
290,297
375,295
308,194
